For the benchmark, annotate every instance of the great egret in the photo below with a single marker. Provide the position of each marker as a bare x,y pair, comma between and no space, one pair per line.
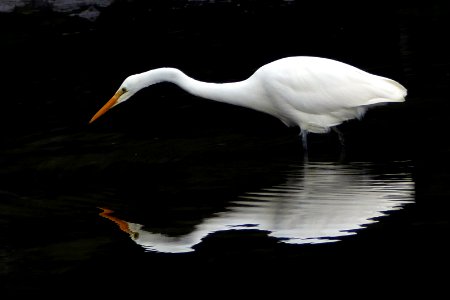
313,93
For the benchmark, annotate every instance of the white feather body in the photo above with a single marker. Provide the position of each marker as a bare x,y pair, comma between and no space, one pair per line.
310,92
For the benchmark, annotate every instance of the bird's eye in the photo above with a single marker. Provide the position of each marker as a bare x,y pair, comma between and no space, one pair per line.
124,90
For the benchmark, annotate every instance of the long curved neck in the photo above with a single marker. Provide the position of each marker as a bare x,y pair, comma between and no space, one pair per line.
236,93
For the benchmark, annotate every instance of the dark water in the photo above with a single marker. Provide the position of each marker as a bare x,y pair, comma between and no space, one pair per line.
169,190
318,203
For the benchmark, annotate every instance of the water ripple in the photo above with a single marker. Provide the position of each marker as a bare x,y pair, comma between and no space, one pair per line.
318,202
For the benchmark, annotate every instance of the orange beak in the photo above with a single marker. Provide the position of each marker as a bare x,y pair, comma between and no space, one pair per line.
107,213
107,106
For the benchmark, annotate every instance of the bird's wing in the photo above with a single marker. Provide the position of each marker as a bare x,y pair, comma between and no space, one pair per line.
323,86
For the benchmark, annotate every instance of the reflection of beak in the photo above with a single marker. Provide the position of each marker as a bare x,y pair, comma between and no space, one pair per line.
106,213
107,106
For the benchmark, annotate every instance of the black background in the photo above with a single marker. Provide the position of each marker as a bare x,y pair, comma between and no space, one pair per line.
57,71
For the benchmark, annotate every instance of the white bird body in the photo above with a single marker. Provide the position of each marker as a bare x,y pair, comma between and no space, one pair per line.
318,93
313,93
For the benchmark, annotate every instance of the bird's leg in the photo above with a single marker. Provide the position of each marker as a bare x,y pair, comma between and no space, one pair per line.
340,135
304,134
341,139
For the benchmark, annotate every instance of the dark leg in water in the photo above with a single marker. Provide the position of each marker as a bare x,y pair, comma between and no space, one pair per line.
340,135
304,134
341,139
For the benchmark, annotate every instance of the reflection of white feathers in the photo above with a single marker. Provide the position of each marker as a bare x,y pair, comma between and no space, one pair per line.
319,202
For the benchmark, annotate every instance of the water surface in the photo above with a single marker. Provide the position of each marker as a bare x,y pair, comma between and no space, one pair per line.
318,203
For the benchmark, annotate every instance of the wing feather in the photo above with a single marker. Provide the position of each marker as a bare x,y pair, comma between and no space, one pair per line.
319,86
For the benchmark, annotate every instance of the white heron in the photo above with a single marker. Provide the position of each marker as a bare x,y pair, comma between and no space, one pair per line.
313,93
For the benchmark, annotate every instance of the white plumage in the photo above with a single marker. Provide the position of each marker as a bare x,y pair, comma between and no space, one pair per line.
313,93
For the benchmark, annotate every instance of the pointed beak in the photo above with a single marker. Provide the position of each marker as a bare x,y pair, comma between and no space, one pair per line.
107,213
107,106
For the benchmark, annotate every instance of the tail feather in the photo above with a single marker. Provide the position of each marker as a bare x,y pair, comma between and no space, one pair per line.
388,90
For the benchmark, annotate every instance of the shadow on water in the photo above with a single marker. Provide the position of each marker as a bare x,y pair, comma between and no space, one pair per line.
319,202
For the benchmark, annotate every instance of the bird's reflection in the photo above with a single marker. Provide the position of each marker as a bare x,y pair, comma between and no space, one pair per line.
319,202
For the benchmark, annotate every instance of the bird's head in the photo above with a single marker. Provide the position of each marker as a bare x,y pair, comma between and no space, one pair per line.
127,89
